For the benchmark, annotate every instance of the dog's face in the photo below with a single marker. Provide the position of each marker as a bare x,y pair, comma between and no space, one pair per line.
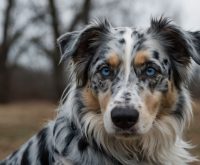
130,78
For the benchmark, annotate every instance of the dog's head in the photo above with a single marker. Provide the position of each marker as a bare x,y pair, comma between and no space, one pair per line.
130,78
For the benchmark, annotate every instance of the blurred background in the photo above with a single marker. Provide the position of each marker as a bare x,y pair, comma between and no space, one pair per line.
31,78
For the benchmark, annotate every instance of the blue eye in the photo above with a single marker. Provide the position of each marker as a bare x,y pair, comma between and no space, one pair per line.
105,71
150,71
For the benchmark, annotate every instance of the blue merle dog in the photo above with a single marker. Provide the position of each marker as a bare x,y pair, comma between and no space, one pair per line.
127,101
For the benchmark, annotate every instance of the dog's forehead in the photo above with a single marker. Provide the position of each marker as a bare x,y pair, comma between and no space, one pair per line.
124,30
128,34
126,42
123,40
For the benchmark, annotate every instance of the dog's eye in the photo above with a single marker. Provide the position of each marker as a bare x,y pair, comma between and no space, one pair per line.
150,71
105,71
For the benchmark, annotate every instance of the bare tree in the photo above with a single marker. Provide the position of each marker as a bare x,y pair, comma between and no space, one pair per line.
4,50
10,36
55,23
81,17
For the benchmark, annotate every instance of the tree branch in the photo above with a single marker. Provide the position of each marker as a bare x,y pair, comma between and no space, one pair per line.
41,46
55,20
7,21
83,15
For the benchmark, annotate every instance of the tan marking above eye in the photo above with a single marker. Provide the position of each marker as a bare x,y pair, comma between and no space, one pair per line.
141,58
113,60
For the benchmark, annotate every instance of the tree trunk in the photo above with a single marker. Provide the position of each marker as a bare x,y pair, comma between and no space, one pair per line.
58,71
83,16
4,76
58,78
4,48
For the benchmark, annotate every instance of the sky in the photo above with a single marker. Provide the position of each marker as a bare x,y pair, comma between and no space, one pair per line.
191,14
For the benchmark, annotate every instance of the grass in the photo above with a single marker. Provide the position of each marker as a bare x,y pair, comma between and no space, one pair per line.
19,121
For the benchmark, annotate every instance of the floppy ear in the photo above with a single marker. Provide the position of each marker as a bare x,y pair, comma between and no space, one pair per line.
66,43
179,45
81,46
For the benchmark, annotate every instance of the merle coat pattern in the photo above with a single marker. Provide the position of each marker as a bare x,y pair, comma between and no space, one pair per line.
126,102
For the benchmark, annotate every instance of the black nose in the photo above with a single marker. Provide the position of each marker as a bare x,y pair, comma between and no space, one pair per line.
124,117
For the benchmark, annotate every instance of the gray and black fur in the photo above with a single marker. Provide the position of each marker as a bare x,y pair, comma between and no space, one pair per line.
126,102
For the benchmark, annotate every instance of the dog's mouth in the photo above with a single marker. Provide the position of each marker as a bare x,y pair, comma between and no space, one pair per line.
126,134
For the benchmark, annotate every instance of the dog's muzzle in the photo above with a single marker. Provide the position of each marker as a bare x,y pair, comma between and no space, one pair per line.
124,117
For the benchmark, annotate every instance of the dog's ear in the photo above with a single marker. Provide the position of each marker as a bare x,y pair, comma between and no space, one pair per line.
179,45
81,46
195,38
66,43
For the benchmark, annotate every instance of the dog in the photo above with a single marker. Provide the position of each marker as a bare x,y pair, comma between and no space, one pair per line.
127,101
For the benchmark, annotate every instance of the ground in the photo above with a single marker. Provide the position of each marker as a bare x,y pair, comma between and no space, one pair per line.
19,121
